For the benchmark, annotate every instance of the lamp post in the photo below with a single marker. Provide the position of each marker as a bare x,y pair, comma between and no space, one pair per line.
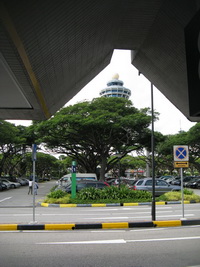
153,208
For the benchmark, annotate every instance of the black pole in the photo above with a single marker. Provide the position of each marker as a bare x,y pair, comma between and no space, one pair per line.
153,211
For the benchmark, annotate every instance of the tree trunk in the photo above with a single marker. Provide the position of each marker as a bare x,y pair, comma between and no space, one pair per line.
103,168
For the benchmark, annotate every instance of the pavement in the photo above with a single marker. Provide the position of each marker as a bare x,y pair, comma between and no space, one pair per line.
103,225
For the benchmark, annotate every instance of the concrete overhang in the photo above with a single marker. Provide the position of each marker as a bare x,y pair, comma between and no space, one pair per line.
49,50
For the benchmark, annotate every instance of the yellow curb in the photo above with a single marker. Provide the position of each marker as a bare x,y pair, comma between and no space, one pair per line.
98,205
167,223
131,204
115,225
59,226
44,204
8,227
160,203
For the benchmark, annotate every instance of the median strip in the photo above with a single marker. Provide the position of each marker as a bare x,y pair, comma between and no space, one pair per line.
88,226
42,204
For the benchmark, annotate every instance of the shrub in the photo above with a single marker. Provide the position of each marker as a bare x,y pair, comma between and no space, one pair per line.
187,191
113,193
53,188
56,194
63,200
176,196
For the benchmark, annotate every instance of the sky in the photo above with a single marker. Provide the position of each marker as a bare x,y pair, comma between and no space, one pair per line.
171,120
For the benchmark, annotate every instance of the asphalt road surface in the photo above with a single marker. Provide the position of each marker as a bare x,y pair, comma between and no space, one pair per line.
155,247
16,206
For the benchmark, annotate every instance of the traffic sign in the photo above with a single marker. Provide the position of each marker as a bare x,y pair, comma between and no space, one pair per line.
181,153
181,164
73,169
34,152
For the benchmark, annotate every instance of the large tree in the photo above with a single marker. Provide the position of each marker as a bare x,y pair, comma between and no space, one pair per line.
91,132
12,143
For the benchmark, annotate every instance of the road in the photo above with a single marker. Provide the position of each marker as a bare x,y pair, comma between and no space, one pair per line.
174,247
134,247
16,207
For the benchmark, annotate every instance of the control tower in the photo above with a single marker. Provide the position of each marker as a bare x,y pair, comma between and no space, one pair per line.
115,88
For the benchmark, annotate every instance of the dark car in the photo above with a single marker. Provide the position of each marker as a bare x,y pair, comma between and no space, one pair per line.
86,184
3,186
161,187
193,183
186,179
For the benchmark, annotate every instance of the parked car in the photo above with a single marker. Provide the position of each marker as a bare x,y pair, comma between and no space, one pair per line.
66,179
193,183
21,181
130,182
12,184
6,183
83,184
166,177
25,179
3,186
186,179
161,187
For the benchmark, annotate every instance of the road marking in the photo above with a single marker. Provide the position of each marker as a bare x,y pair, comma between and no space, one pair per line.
165,239
118,241
136,217
5,199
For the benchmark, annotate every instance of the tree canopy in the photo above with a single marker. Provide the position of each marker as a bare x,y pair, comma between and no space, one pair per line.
90,132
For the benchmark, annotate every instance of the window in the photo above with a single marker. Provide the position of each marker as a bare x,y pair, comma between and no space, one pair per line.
139,182
148,183
161,183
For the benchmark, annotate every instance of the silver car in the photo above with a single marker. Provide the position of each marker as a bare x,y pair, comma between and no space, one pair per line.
161,187
12,184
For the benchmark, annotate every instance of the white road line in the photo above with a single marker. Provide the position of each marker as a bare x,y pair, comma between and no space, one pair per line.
137,217
165,239
119,241
116,241
5,199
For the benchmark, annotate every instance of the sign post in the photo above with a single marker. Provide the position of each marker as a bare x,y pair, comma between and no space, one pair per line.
73,188
181,160
34,152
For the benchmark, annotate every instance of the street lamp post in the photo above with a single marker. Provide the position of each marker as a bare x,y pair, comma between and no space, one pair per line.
153,211
153,206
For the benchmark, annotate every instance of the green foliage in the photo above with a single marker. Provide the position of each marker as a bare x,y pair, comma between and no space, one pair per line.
187,191
57,194
111,194
176,196
106,125
53,188
46,164
62,200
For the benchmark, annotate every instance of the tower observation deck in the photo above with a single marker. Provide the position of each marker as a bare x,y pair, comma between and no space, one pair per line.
115,88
